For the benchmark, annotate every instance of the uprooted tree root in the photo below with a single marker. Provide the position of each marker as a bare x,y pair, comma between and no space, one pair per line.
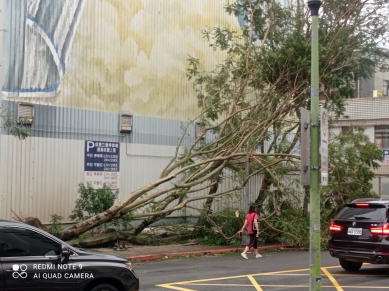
33,221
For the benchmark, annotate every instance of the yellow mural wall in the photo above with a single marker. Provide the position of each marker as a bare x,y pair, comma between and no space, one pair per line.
131,55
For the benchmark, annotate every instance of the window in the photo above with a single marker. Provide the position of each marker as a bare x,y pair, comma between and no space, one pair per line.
346,130
15,242
381,137
374,213
386,88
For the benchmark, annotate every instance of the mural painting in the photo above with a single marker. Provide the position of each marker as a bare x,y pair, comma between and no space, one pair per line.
109,55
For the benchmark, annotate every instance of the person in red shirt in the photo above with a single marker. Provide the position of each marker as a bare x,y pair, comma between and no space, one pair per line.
251,222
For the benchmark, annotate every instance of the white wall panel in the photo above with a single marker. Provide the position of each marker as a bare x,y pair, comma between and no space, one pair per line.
335,130
43,174
370,132
366,108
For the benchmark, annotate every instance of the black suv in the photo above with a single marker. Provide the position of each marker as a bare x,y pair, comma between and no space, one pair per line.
32,259
360,233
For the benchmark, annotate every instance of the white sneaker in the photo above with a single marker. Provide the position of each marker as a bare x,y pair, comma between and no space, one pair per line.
244,256
258,256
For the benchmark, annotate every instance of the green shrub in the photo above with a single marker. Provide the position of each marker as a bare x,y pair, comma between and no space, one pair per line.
221,228
55,226
210,237
92,201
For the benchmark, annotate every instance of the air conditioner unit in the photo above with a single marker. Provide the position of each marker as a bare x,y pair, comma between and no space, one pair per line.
125,122
25,113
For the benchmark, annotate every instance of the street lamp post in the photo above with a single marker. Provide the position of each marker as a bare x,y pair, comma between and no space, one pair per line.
314,245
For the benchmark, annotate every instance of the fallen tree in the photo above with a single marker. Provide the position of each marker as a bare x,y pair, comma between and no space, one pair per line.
251,102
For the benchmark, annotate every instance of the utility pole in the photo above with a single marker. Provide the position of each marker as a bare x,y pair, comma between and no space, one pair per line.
314,226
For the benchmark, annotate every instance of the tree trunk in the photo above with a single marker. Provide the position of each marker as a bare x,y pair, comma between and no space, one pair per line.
114,212
148,221
266,183
208,203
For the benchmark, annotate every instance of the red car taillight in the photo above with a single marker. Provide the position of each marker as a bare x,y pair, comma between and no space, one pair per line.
384,229
335,228
362,204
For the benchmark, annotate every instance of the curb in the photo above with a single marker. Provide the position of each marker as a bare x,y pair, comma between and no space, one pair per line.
154,257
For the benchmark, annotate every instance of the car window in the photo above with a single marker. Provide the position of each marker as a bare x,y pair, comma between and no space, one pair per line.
22,242
363,213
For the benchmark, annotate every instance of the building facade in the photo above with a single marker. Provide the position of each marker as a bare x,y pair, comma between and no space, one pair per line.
376,85
373,114
111,74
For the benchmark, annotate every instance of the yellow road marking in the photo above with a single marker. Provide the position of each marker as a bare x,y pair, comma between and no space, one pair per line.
174,286
169,286
241,276
332,279
365,265
263,285
202,282
255,284
220,284
359,275
333,267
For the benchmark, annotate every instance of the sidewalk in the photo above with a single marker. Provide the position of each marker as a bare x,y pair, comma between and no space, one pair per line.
149,253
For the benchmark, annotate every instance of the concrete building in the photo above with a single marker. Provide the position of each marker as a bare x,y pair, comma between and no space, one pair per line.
375,86
371,110
373,114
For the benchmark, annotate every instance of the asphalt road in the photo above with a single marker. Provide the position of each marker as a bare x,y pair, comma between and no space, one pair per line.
286,270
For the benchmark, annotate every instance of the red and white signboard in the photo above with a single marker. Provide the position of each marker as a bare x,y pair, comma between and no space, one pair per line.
324,146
